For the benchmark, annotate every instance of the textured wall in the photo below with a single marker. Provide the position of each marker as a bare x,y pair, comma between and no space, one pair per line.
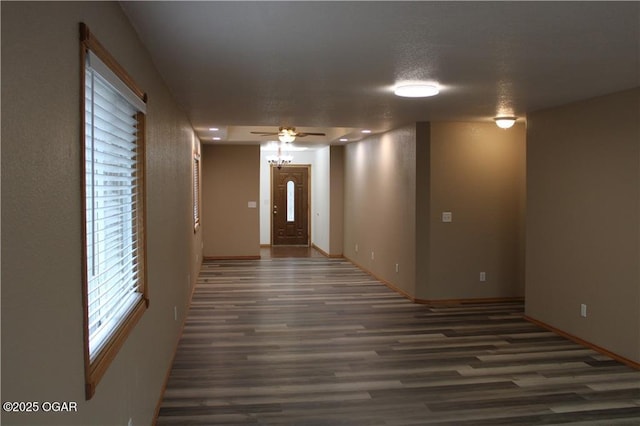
42,339
320,199
379,205
336,185
398,184
477,172
230,180
583,220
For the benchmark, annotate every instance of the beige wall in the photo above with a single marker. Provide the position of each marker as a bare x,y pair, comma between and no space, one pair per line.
379,205
42,338
477,172
398,184
336,203
230,180
583,220
423,211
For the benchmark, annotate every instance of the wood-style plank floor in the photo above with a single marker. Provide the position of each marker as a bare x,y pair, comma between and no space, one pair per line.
316,341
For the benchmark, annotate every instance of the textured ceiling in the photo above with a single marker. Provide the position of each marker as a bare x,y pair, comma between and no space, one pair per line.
331,66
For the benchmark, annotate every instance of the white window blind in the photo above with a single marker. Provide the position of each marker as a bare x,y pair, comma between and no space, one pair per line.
196,191
112,195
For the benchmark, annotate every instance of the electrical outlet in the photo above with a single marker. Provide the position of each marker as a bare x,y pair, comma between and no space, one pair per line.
397,268
372,257
175,313
356,247
583,310
483,276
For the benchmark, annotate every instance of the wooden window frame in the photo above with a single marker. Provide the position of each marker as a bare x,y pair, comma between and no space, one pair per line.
95,370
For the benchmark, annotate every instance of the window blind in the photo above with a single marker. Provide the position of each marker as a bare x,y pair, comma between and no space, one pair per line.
112,185
196,191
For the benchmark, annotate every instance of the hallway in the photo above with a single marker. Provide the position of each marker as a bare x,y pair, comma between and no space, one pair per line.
316,341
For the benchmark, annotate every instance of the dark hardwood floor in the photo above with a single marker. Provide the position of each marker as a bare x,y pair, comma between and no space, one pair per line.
316,341
288,252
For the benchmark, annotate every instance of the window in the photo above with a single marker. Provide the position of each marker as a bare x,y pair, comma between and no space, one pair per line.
291,204
114,286
196,191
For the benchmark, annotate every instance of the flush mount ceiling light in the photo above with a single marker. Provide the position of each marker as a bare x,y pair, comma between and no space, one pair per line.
416,90
505,122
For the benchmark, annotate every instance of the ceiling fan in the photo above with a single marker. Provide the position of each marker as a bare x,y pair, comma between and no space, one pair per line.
288,134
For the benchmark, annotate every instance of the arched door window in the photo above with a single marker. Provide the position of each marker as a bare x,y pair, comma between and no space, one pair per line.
291,198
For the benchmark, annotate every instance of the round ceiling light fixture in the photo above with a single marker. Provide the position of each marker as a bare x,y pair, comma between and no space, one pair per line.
505,122
416,90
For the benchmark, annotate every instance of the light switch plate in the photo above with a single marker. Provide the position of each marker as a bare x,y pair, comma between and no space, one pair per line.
447,217
583,310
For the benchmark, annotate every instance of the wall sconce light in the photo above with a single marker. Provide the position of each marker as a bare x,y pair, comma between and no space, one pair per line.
505,122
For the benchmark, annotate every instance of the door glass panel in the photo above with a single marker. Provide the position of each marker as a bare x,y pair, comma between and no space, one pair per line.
290,201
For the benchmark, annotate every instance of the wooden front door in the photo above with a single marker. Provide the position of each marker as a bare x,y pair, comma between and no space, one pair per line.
290,210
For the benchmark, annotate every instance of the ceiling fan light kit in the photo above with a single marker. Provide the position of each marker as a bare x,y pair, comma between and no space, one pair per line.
288,134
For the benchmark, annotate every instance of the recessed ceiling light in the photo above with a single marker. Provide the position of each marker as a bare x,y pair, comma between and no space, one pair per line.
217,138
365,131
416,90
344,140
213,129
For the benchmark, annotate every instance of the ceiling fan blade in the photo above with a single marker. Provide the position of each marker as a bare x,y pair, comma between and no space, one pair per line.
303,134
282,131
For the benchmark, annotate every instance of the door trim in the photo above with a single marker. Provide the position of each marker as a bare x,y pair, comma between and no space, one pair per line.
271,198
